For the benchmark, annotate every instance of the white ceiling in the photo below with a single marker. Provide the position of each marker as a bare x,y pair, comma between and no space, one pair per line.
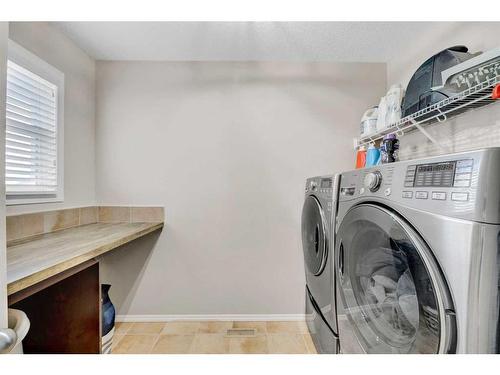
243,41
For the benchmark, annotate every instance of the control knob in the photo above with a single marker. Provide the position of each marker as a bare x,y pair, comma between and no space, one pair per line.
373,180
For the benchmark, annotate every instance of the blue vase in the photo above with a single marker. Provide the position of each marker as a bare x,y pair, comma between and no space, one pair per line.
108,310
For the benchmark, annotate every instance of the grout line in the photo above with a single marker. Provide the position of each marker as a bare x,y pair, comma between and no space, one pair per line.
154,344
190,347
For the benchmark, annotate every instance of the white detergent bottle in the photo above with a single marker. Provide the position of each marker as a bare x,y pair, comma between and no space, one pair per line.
394,98
382,112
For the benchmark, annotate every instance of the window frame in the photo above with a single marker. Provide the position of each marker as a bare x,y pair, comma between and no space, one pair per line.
26,59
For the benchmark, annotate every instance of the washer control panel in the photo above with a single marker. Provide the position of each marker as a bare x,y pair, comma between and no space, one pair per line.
442,174
463,185
440,178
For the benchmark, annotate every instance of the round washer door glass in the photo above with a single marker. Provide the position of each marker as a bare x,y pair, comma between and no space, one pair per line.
390,286
314,240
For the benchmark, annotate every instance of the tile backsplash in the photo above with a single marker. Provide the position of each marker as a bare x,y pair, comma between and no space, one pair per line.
89,215
114,214
27,225
146,214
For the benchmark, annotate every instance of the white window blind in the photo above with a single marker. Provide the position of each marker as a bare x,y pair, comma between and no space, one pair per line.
31,133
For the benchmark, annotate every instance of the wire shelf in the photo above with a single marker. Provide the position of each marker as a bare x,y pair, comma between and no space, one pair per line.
474,97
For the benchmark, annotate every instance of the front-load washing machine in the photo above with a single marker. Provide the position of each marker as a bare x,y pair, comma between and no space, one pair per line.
417,256
317,242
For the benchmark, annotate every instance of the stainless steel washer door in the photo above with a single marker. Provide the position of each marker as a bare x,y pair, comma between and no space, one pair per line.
392,291
314,235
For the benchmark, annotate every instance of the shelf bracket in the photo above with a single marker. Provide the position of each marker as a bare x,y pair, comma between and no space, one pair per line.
399,132
426,133
442,116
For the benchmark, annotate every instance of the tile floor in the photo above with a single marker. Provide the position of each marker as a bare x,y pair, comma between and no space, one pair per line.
210,337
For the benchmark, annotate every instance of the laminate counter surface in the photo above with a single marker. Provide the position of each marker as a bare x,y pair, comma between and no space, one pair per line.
38,258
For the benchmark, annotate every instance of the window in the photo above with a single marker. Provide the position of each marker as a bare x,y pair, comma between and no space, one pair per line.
34,128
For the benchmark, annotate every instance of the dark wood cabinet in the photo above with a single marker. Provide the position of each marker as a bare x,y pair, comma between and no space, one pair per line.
64,312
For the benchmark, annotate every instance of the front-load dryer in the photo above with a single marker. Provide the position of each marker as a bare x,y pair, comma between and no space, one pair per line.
417,256
317,240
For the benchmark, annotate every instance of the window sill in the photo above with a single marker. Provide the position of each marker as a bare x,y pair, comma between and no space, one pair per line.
24,200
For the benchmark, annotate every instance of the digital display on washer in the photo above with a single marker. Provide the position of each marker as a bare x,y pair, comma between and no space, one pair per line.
435,175
326,183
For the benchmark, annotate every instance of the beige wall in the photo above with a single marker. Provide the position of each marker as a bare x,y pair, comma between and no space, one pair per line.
477,129
4,34
54,47
226,148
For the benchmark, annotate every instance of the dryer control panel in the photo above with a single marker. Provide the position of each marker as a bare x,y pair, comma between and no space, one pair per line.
320,186
323,188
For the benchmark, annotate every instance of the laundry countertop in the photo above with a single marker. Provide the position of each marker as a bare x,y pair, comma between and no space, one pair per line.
41,257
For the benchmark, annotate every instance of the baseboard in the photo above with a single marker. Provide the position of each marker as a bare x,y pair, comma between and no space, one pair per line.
226,317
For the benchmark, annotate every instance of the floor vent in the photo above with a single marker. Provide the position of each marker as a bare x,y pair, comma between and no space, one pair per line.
240,332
